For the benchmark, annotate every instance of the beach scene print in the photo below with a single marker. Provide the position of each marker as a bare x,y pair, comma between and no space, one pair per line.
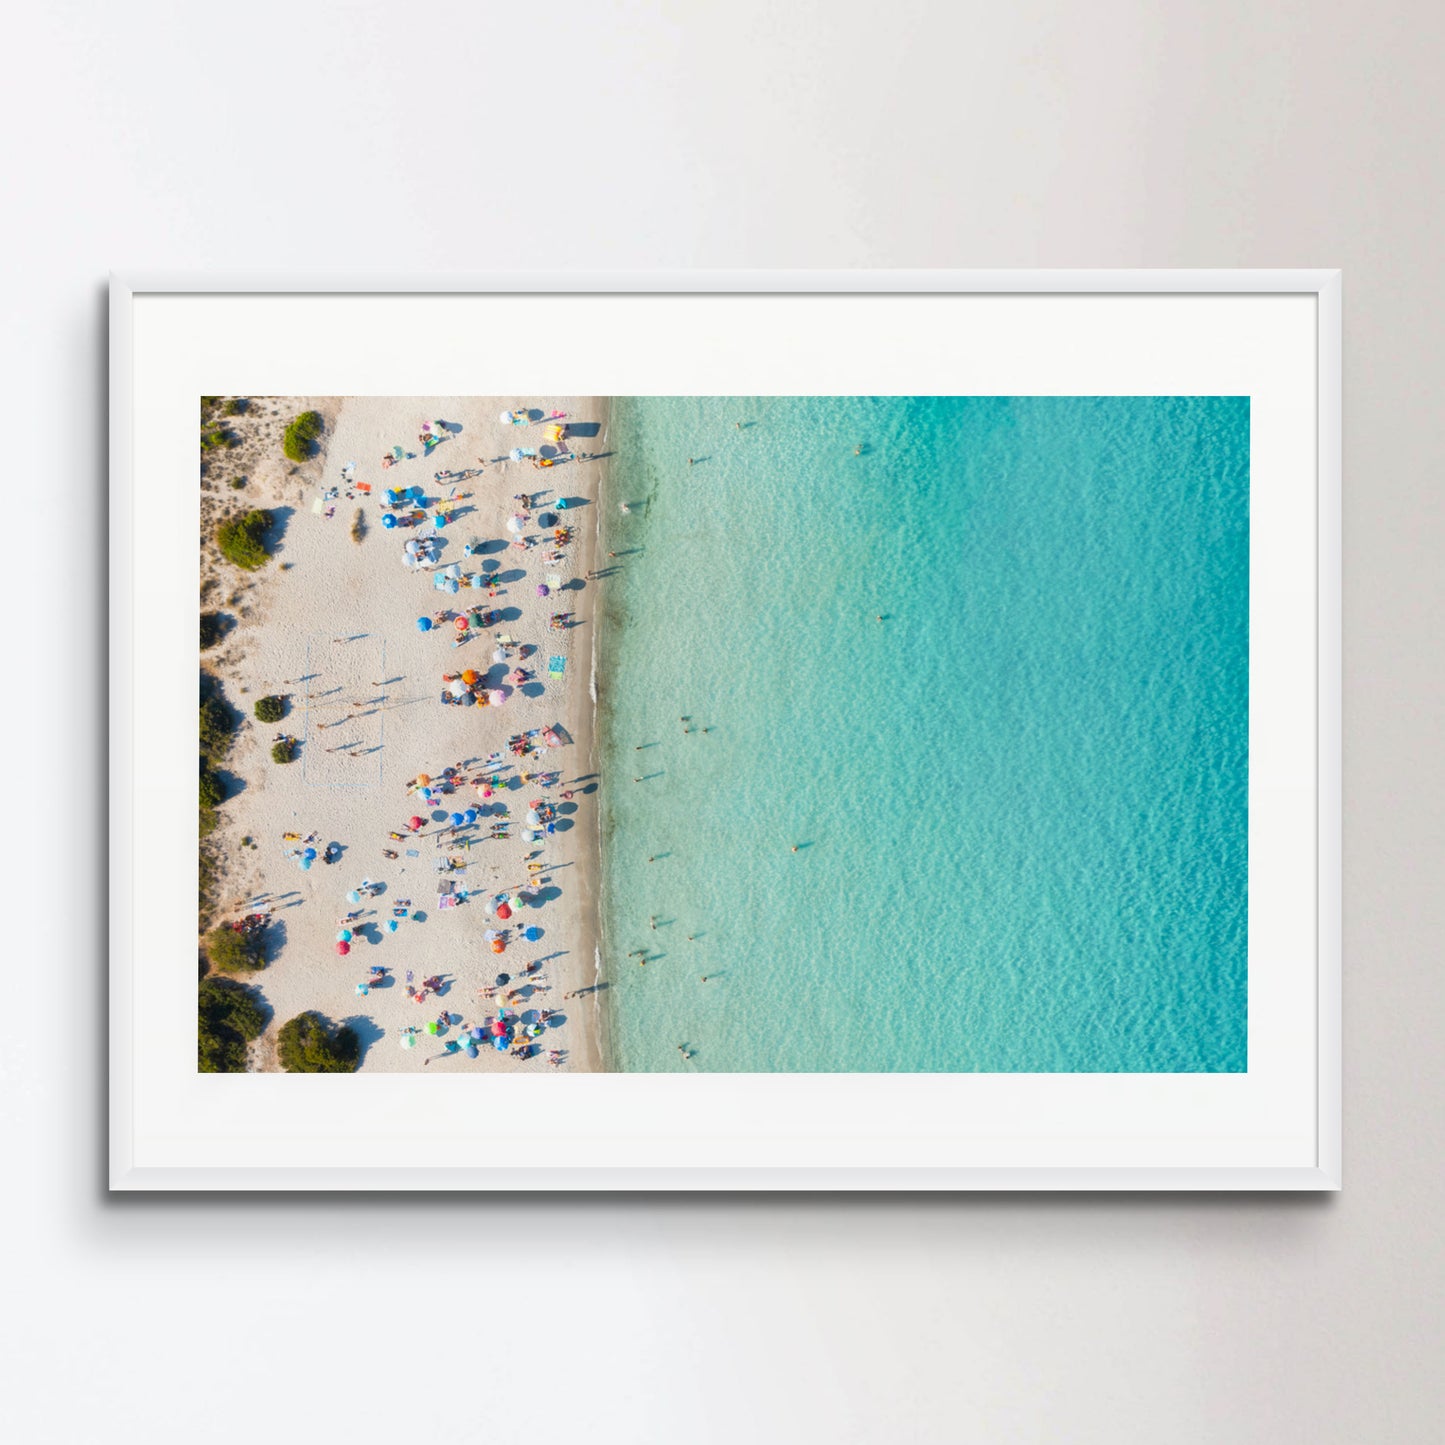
559,734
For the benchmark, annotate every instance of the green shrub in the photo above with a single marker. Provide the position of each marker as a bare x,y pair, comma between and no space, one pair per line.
217,725
231,952
270,709
212,629
213,791
228,1016
236,406
284,751
242,539
237,483
299,442
307,1045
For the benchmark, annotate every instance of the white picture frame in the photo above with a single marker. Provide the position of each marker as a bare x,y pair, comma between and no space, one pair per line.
150,1152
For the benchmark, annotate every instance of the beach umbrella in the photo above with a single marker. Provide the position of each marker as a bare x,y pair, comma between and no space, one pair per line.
363,989
534,818
532,933
414,824
343,948
391,925
309,854
469,676
426,793
500,655
504,912
388,521
451,586
345,936
478,1032
431,1027
353,896
305,865
500,1043
543,590
497,946
423,624
408,1041
423,779
499,1028
457,688
516,523
505,418
471,815
496,697
458,819
471,1051
461,624
502,978
546,520
516,454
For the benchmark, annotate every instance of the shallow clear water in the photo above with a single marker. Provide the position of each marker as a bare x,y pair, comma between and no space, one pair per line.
1019,801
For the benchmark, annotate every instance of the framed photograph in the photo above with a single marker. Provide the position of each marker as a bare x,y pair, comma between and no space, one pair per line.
870,731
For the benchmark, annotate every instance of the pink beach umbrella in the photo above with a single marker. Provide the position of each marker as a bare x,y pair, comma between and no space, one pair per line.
496,697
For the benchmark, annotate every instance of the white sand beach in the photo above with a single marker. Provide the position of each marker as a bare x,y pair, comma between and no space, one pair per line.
331,623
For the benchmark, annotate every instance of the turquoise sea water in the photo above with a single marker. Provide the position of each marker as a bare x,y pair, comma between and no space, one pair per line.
1019,800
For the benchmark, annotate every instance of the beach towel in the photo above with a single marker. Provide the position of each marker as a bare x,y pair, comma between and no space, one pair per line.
413,853
556,666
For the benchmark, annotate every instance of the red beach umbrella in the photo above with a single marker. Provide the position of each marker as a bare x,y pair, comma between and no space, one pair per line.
343,948
504,910
461,624
414,824
499,1028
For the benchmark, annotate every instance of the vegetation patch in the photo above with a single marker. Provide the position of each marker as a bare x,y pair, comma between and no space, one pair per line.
229,1016
301,436
242,539
270,709
233,952
212,629
284,750
308,1045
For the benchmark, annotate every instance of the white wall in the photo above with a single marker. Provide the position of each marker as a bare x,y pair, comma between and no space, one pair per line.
819,132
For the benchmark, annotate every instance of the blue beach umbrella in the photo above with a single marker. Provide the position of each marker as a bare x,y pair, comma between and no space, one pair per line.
391,925
470,815
532,933
471,1051
500,1043
305,865
388,521
344,936
458,819
309,854
423,624
353,897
